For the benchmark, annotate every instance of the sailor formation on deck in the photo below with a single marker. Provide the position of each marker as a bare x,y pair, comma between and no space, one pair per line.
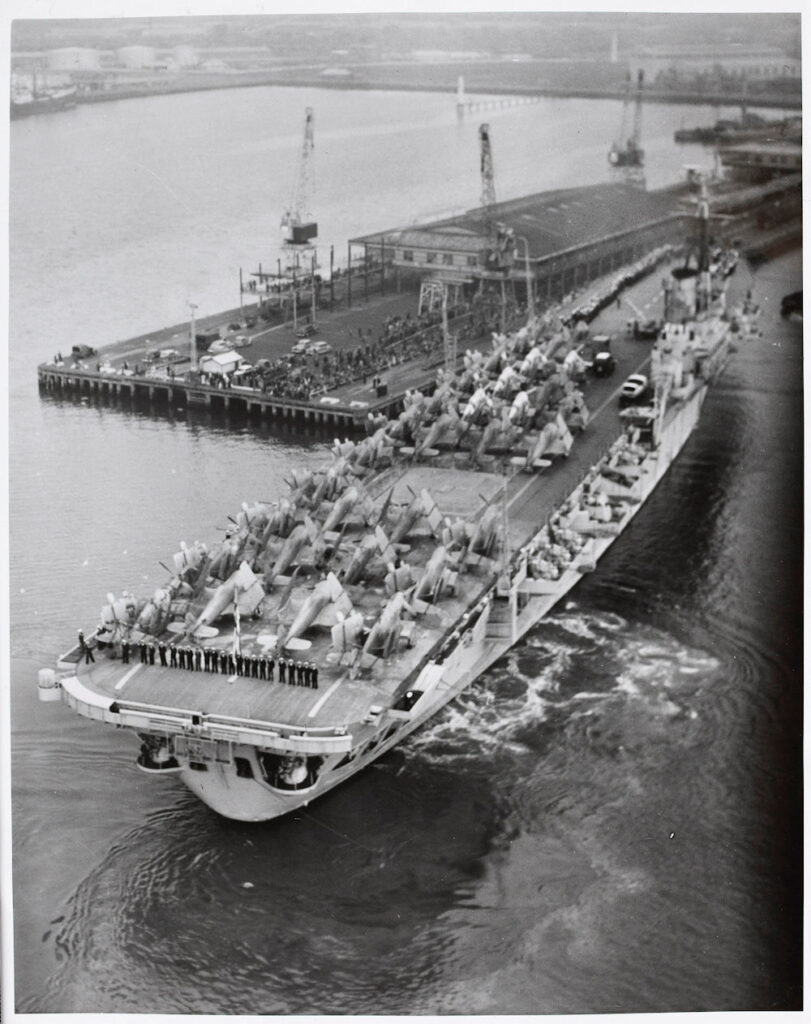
224,662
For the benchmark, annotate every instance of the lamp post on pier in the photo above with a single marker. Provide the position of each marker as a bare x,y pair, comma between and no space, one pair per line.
193,338
530,296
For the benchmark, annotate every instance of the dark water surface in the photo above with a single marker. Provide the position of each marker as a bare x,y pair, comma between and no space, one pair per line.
609,820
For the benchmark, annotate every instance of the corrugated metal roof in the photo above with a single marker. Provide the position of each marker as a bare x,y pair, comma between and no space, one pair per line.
550,221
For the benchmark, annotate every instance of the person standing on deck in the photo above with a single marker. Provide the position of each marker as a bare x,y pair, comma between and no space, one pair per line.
282,670
151,654
84,649
162,653
271,666
125,651
198,659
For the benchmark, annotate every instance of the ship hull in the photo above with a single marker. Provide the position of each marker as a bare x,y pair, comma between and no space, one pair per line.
43,105
253,799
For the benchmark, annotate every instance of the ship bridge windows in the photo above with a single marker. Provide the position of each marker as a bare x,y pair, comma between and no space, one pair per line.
243,767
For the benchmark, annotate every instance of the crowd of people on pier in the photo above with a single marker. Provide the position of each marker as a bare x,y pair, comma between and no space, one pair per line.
400,339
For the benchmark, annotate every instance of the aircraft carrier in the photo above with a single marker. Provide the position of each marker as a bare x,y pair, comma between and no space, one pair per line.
326,627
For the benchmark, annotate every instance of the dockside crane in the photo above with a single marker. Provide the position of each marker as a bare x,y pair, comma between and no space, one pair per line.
500,253
626,156
488,181
280,290
299,230
298,227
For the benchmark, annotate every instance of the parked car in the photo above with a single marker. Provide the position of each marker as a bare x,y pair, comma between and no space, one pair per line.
306,331
603,364
241,341
635,389
643,331
320,348
83,351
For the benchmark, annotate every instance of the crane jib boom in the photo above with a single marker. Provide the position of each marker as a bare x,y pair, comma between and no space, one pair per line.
298,227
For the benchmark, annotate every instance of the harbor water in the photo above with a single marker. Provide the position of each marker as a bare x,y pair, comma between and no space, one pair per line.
609,820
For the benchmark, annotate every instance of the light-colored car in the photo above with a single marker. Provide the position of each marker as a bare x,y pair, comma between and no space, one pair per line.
241,341
216,348
634,389
320,348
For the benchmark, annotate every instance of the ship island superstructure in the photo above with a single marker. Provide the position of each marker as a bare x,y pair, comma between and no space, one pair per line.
385,582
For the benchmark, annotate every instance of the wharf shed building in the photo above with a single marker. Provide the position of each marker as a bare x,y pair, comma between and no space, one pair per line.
565,238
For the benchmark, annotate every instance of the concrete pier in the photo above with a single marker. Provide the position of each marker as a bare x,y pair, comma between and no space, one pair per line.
340,410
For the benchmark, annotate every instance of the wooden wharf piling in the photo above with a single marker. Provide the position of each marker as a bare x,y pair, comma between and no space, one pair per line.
328,410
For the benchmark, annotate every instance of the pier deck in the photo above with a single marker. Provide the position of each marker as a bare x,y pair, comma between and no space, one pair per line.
112,370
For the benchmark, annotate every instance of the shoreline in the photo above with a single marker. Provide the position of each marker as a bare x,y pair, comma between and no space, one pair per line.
475,92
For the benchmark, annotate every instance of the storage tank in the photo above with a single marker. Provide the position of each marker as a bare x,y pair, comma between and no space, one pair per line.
184,57
74,58
135,57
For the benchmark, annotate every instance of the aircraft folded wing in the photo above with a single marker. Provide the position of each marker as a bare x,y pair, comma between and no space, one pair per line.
435,518
249,590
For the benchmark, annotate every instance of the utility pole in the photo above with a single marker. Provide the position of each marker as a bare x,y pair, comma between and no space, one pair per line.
449,339
193,338
530,295
312,281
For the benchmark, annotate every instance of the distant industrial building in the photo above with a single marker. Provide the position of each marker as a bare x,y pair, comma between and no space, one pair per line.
565,238
135,57
73,58
759,162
